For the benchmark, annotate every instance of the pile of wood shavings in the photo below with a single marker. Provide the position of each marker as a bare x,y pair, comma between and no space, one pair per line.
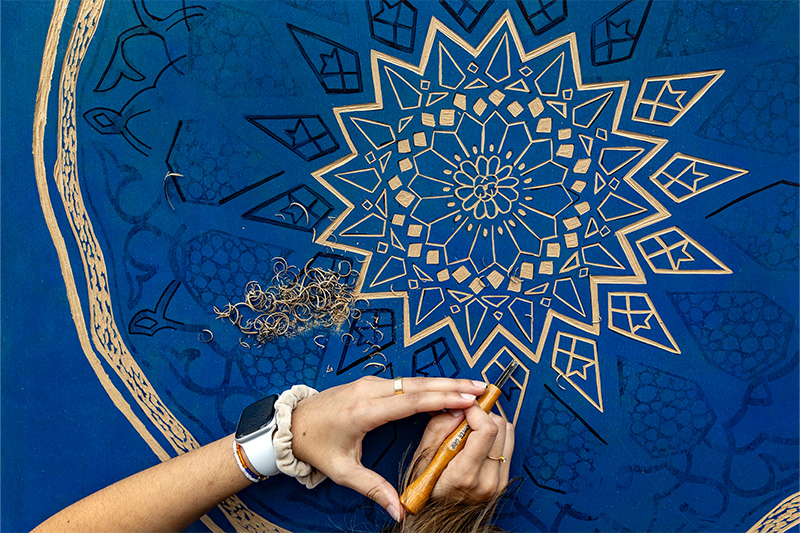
313,297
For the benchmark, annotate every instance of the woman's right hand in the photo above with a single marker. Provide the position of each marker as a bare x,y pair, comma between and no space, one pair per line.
471,475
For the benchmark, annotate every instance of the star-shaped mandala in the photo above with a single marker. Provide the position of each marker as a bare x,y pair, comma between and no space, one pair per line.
492,190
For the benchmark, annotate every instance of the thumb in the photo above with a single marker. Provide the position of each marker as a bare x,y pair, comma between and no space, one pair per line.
374,487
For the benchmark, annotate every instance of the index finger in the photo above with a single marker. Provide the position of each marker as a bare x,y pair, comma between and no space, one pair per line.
385,410
422,384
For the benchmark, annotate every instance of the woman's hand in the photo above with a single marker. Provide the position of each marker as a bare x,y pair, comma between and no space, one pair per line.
328,428
471,475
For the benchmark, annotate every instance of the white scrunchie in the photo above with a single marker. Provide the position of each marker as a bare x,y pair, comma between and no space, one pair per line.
282,440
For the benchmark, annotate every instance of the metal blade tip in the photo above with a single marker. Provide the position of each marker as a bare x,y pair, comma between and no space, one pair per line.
506,374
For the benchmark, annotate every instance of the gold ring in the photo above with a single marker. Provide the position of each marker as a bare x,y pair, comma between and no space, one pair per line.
502,458
398,385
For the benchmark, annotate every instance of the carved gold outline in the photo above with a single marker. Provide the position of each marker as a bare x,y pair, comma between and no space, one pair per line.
101,335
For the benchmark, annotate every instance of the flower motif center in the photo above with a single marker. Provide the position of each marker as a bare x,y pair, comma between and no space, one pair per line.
485,187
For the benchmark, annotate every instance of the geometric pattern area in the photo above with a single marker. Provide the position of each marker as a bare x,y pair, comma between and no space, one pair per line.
669,414
486,187
562,449
513,392
664,100
684,176
633,315
761,112
467,12
741,333
615,34
393,23
671,251
336,67
435,360
543,15
575,359
503,177
733,24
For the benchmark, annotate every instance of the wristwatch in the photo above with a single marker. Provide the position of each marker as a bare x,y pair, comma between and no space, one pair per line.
254,433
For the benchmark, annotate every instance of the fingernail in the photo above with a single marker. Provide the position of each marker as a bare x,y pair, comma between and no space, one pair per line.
467,396
480,383
393,512
457,413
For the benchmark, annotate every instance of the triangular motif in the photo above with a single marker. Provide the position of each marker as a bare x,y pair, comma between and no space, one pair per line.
519,86
499,68
597,255
403,123
572,263
587,143
599,182
477,84
460,297
392,269
591,228
495,301
548,83
421,275
395,241
613,160
522,313
378,134
585,114
430,299
407,96
539,289
475,311
371,225
385,161
434,98
560,107
450,74
564,289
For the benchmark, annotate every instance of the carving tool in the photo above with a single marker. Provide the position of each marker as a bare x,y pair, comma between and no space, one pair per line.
417,493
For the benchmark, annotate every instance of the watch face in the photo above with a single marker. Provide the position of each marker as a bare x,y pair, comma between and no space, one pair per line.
256,416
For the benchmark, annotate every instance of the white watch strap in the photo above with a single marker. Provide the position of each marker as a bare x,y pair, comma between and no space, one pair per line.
260,452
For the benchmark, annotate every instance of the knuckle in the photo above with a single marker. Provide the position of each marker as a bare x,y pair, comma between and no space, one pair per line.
483,492
499,421
413,398
467,481
492,430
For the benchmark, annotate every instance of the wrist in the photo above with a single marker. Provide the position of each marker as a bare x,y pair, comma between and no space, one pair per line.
285,447
253,441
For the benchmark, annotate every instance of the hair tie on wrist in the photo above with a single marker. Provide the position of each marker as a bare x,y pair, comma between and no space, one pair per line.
249,474
287,462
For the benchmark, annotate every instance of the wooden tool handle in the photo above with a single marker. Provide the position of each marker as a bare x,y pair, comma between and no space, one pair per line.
417,493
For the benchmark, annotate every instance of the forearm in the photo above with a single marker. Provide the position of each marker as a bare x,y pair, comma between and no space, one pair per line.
167,497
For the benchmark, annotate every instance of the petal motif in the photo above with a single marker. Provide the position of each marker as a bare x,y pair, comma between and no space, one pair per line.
491,208
504,173
482,166
469,168
470,202
511,194
493,165
463,178
502,203
464,192
480,210
507,183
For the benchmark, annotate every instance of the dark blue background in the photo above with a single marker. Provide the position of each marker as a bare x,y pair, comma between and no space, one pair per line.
60,443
